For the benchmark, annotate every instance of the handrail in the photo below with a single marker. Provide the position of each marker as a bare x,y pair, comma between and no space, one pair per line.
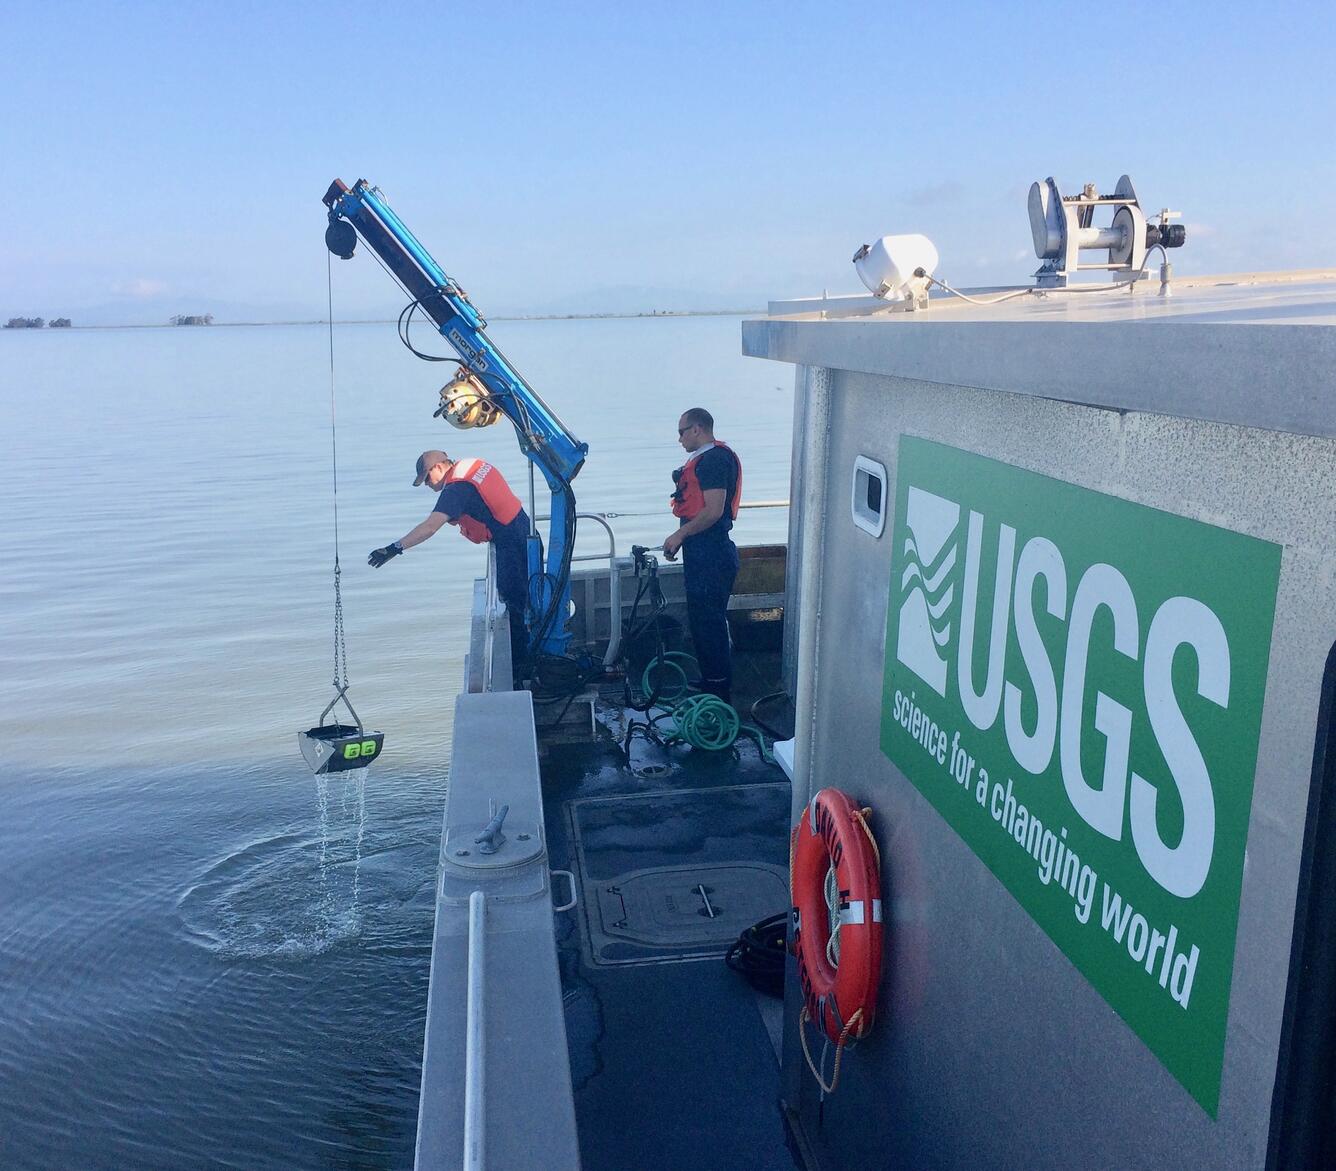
614,574
474,1051
614,581
660,512
489,619
614,586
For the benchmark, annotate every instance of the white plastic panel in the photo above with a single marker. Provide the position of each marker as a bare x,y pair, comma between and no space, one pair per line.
869,495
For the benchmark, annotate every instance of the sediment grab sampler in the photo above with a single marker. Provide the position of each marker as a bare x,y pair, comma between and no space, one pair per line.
338,747
835,879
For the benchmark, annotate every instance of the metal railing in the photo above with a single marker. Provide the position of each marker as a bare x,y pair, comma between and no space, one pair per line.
492,604
659,512
489,619
614,582
475,1066
614,572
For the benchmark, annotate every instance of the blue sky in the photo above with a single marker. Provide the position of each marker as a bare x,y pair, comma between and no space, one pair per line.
164,157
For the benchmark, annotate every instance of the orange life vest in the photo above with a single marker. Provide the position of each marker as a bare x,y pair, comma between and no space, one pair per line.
501,502
689,498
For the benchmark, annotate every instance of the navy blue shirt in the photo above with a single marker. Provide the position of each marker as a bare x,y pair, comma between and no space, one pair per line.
460,498
718,468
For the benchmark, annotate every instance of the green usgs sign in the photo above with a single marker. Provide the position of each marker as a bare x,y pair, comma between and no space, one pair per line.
1075,682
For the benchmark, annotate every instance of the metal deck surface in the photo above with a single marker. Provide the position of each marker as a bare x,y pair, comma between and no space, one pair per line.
671,1060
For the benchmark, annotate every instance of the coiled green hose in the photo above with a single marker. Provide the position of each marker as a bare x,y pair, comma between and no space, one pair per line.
706,721
670,689
702,720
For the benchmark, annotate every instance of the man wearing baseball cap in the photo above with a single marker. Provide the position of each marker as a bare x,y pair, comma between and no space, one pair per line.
475,498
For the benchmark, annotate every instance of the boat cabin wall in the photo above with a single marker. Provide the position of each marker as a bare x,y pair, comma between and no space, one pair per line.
1092,821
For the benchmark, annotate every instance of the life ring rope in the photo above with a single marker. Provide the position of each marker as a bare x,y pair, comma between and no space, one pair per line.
832,893
803,1021
861,816
832,887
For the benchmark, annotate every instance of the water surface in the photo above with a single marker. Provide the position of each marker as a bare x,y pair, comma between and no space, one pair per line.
208,957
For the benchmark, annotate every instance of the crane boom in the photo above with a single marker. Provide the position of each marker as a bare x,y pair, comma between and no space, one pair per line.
543,438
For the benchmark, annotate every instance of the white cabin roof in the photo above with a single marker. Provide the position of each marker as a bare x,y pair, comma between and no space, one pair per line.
1252,349
1284,298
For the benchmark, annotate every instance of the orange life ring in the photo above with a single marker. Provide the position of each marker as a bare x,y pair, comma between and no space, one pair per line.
833,833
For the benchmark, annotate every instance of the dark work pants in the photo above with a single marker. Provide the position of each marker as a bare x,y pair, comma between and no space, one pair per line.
512,586
710,564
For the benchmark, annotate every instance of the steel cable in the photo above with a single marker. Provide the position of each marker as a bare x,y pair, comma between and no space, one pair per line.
341,680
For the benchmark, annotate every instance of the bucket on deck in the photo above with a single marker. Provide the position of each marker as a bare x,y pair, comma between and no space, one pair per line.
336,748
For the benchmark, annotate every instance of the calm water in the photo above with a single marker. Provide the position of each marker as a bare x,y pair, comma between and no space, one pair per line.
207,957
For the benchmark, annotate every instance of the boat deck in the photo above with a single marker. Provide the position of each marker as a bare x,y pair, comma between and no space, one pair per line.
673,1055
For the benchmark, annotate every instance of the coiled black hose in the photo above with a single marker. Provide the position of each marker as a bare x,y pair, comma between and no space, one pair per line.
758,955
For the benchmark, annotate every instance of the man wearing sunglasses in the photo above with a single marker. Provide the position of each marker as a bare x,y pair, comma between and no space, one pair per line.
708,490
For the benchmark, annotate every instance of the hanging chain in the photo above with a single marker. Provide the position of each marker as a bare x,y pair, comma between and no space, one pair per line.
340,646
341,680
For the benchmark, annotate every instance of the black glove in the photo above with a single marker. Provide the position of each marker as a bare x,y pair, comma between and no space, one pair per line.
380,556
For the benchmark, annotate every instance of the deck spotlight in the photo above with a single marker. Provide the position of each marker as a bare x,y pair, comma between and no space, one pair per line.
896,268
466,402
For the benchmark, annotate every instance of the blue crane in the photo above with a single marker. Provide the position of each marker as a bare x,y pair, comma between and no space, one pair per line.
487,386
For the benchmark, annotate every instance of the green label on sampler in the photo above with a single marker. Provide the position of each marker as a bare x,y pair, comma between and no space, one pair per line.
1075,682
360,749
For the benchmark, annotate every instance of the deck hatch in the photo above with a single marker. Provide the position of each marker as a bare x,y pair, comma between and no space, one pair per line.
690,912
676,876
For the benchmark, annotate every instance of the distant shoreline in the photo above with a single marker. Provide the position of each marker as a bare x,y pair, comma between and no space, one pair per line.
392,320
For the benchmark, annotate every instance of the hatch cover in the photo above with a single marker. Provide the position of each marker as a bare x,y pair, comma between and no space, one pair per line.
692,912
676,876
